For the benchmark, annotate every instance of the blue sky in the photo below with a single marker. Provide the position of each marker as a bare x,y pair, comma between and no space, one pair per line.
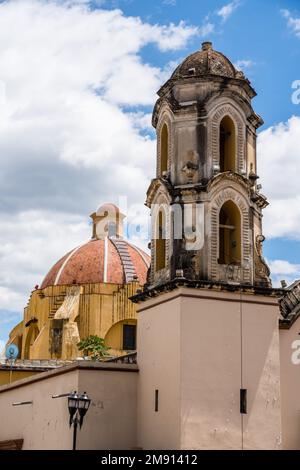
245,35
77,86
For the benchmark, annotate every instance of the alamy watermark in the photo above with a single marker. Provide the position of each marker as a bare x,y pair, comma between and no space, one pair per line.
167,221
296,94
295,358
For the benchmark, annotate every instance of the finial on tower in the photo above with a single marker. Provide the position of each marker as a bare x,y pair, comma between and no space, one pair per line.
206,46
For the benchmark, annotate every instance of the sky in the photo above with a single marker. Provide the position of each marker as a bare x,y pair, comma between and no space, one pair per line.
78,81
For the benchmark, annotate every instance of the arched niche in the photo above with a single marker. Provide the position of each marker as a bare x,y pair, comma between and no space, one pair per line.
230,243
164,143
228,118
164,149
236,202
227,145
160,241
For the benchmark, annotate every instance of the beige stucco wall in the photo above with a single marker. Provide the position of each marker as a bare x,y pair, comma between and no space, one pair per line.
111,421
109,424
224,345
44,424
210,374
261,374
290,387
158,345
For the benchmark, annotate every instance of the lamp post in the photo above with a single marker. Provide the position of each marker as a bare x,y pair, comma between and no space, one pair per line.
78,406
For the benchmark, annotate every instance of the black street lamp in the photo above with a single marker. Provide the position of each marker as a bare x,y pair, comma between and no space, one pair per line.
78,406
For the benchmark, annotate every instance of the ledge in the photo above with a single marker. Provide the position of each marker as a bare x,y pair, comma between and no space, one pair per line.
202,284
76,365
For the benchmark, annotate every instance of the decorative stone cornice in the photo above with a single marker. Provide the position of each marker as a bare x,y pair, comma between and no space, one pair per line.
203,284
255,120
259,199
229,176
240,90
208,186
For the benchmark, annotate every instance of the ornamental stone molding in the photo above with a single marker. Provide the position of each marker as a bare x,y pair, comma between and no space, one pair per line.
158,186
262,271
229,177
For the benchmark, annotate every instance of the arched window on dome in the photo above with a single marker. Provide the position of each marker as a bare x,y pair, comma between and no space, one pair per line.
230,248
160,242
164,149
227,145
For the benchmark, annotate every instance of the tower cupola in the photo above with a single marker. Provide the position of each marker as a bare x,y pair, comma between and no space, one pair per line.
206,206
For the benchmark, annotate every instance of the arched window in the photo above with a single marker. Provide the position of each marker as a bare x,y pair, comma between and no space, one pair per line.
19,344
164,149
122,335
30,339
227,145
229,234
160,242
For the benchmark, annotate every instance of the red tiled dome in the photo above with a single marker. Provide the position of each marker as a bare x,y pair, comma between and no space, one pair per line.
111,260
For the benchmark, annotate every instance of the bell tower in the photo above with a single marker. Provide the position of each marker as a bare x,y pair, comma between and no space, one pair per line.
207,340
206,205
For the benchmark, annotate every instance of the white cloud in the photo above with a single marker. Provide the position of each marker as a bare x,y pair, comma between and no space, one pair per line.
207,29
10,299
169,2
66,143
283,270
226,11
2,349
279,169
30,242
284,267
244,64
293,23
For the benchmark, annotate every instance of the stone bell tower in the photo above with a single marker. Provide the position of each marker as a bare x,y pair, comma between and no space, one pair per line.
206,205
207,341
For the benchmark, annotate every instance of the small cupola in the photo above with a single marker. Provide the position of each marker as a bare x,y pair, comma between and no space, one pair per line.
107,222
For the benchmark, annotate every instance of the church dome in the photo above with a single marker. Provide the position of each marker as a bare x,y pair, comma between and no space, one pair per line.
206,62
107,257
108,260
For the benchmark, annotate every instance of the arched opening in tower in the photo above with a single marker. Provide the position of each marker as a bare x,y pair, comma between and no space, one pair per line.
160,242
164,149
227,145
230,234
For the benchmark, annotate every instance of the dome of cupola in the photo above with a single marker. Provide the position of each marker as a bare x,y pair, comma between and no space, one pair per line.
206,61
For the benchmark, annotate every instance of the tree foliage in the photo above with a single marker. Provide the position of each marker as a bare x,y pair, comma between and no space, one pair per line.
93,346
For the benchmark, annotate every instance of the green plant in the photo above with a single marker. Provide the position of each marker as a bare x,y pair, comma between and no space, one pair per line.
93,346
